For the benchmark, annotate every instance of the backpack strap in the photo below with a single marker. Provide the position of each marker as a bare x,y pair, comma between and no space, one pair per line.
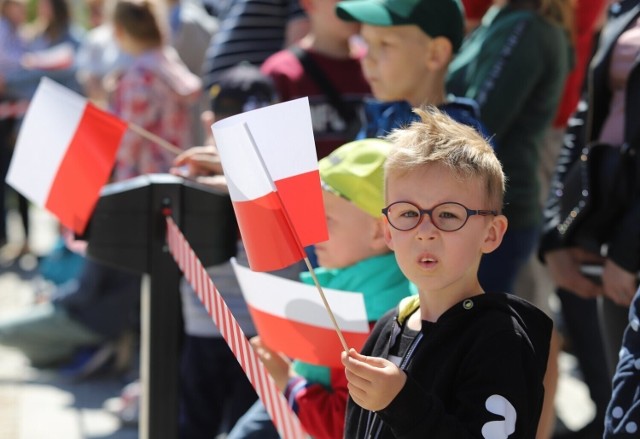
346,112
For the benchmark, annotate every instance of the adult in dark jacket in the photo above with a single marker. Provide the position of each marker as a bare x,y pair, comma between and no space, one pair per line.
610,116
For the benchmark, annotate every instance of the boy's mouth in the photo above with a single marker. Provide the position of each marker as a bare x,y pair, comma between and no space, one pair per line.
427,261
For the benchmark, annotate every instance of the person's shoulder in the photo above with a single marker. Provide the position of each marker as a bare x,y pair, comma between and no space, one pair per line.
502,313
284,56
282,60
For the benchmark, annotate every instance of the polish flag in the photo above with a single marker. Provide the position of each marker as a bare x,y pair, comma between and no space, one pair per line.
270,163
64,154
290,318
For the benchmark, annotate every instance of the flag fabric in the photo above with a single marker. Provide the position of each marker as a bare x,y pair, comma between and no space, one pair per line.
64,153
283,417
270,163
290,317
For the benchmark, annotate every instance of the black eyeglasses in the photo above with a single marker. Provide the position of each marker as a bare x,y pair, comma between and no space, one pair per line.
448,217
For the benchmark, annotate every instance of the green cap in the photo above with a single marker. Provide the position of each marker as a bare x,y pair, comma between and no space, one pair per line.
435,17
355,172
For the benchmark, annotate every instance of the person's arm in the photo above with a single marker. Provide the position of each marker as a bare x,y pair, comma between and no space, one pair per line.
502,87
498,389
320,410
619,276
623,411
562,261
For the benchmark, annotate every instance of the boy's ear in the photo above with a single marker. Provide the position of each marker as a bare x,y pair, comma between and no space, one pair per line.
386,232
439,54
379,241
495,233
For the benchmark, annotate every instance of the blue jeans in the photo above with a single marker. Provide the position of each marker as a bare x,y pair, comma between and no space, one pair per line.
254,424
499,269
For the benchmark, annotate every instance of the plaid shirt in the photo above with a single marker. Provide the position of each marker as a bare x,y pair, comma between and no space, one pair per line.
144,96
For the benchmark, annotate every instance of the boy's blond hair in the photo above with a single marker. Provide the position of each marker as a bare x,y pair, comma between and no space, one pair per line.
437,138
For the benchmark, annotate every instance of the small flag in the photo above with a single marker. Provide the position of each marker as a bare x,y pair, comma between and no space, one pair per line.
270,163
291,318
64,154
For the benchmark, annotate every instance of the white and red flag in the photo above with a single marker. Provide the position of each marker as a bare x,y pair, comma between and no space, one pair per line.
270,163
64,154
290,317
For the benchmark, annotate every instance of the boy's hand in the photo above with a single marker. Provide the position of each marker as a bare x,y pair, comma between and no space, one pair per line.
373,382
278,365
198,161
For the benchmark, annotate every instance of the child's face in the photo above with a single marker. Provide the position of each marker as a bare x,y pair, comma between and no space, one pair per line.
444,263
324,14
353,234
395,64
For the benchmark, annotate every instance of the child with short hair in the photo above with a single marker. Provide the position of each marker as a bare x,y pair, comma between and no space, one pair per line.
324,67
452,362
410,44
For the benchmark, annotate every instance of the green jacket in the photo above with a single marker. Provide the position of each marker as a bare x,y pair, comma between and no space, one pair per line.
515,65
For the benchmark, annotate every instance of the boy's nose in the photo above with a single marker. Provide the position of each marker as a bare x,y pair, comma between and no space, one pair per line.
426,228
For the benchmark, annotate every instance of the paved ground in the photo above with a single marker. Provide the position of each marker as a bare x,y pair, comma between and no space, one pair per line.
38,404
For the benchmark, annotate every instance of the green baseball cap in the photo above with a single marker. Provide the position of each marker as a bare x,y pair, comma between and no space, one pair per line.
355,172
435,17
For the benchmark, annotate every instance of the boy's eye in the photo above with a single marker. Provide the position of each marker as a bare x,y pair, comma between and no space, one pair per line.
409,214
447,215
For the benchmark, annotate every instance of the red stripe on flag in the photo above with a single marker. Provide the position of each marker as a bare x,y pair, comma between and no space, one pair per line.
285,420
85,168
266,228
266,234
302,197
308,343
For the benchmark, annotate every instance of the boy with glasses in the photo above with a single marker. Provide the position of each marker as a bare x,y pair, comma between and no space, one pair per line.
450,362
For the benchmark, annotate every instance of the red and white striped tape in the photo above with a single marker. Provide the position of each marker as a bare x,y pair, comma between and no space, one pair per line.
284,419
13,109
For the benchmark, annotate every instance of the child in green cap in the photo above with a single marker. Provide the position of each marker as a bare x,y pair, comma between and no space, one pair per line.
354,258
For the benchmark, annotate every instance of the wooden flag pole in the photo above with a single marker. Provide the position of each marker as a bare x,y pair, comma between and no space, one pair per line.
156,139
326,304
295,236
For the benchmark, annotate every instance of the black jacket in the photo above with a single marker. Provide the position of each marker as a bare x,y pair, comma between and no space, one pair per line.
624,238
478,368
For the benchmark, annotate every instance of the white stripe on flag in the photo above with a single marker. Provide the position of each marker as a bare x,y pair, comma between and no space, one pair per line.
284,419
283,134
50,133
292,300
